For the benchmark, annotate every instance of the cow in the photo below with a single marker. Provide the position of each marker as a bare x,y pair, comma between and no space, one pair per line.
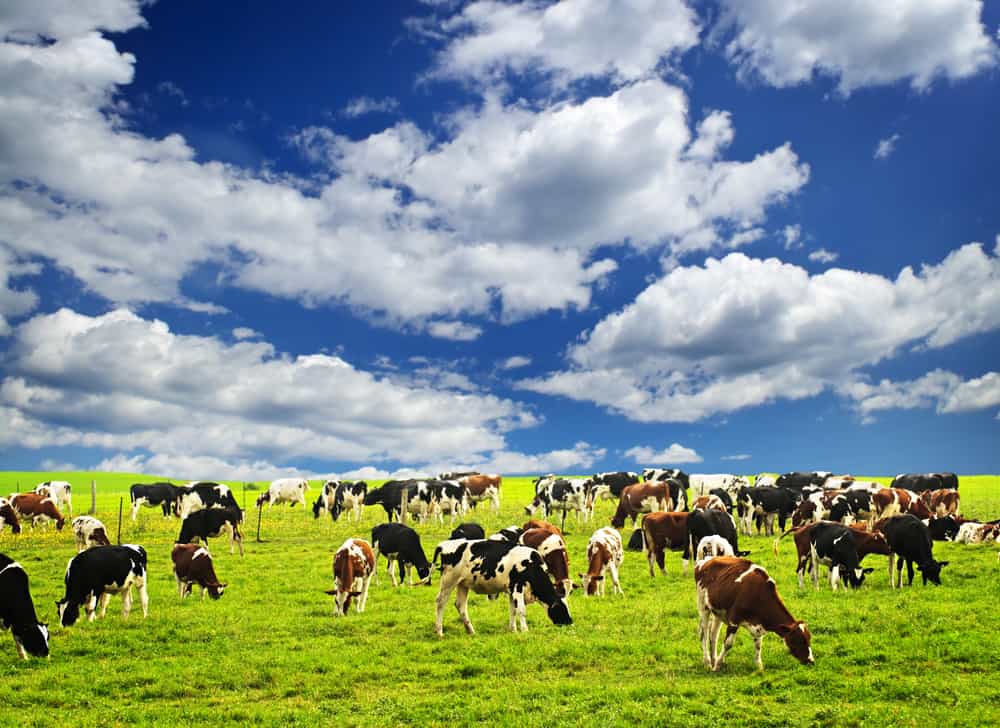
285,490
59,491
766,504
610,485
799,479
735,592
833,545
763,479
864,543
92,576
89,532
401,544
17,611
851,506
604,553
661,531
868,486
972,532
456,475
337,496
482,487
925,481
151,495
677,480
711,546
724,496
37,508
193,565
390,496
807,511
545,525
555,555
890,502
642,498
910,541
204,495
942,502
449,497
710,502
509,534
471,531
943,529
493,567
703,484
702,523
559,494
353,566
837,482
211,523
8,517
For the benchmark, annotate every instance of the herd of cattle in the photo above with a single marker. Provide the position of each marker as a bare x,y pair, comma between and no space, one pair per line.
836,521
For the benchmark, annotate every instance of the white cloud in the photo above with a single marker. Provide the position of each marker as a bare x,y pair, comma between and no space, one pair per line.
57,19
945,391
454,330
579,458
242,332
885,147
170,88
793,236
14,301
515,362
741,456
675,454
367,105
566,40
857,43
740,332
55,466
822,255
122,383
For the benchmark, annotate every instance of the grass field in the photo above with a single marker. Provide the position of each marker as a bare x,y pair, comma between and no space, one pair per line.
270,652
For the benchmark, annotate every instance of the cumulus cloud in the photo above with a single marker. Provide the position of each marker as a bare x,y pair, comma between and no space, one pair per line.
367,105
674,454
515,362
454,330
822,255
244,332
793,236
740,332
942,390
579,457
740,456
885,147
857,43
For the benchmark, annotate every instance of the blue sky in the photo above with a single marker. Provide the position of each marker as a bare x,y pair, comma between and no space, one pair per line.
379,238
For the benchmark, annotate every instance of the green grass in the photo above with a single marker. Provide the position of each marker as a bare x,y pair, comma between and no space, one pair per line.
270,651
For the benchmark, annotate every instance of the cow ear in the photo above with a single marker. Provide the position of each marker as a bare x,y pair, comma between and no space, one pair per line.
331,592
942,564
869,570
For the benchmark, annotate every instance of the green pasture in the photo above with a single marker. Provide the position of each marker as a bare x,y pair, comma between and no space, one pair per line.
271,652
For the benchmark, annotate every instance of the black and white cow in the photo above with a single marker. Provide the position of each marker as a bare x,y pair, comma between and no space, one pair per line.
610,485
211,523
17,611
800,479
702,523
944,528
338,496
764,505
918,482
833,546
205,495
8,516
851,506
93,575
401,544
679,482
449,496
493,567
910,541
390,497
472,531
151,495
560,494
510,534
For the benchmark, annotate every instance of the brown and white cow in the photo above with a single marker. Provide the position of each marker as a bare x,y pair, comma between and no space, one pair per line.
709,502
555,555
353,565
604,552
890,502
38,508
646,497
483,487
865,543
193,565
972,532
736,592
661,531
539,523
8,517
89,532
942,502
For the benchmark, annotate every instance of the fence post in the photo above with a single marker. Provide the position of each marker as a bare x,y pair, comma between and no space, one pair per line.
260,511
404,506
93,497
120,501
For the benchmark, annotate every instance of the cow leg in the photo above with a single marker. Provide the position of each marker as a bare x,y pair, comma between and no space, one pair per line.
814,565
909,572
650,556
103,604
613,568
20,650
390,563
126,601
363,598
834,576
444,591
144,597
180,587
462,605
135,508
727,644
758,643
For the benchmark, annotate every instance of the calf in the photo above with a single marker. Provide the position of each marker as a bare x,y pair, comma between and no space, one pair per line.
193,565
353,565
202,495
8,517
93,575
642,498
89,532
210,523
59,491
472,531
553,551
37,508
910,541
151,495
17,611
493,567
481,487
735,592
604,553
401,544
661,531
285,490
972,533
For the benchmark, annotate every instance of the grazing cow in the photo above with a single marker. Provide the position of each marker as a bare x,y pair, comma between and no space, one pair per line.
642,498
8,517
710,547
59,491
943,529
833,545
401,544
736,592
702,523
449,497
765,504
17,611
610,485
482,487
604,552
285,490
661,531
204,495
559,494
471,531
973,533
910,541
37,508
419,497
353,566
89,532
555,555
93,575
493,567
702,483
211,523
864,543
509,534
151,495
799,479
942,502
193,565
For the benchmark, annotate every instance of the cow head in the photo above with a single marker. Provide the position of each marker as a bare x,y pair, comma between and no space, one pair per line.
264,498
317,507
69,612
559,613
589,583
857,577
797,639
215,590
931,571
32,639
424,572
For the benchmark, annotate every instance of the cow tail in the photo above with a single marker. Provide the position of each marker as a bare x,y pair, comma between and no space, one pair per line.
774,546
437,552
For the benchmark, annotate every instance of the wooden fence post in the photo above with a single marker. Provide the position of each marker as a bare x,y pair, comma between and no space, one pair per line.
120,502
93,497
404,506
